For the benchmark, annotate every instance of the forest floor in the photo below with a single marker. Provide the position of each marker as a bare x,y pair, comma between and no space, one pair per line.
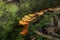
13,13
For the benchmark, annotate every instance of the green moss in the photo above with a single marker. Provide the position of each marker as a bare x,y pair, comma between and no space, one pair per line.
1,13
11,8
2,4
7,19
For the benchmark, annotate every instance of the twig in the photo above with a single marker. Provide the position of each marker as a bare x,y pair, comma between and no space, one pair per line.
47,36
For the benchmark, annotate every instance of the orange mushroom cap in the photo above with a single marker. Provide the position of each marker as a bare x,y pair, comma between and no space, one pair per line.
24,32
32,15
40,13
23,22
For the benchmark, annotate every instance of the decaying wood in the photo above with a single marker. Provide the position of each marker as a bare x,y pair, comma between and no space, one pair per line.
47,36
51,31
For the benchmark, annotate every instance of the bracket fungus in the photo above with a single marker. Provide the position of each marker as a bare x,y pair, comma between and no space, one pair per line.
28,18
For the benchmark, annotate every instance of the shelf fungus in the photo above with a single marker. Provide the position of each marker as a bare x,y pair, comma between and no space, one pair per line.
28,18
25,22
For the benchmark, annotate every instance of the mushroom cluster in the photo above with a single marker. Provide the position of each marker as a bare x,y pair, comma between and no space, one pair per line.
28,18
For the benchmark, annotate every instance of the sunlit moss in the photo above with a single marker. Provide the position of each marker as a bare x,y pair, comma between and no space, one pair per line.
2,4
12,8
